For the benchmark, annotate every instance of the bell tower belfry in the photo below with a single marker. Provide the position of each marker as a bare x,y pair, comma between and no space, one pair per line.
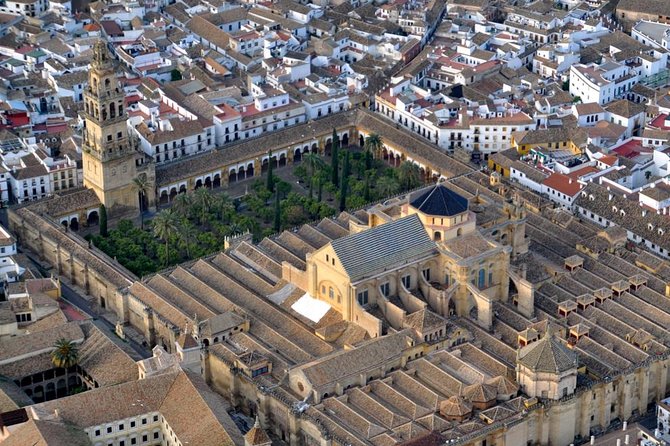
111,159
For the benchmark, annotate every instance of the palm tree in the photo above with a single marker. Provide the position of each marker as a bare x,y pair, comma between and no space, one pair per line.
204,200
223,205
387,186
165,227
235,229
314,163
65,355
409,175
182,204
374,144
186,235
141,185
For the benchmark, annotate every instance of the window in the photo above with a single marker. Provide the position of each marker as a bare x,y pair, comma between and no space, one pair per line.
482,278
259,372
407,281
109,429
156,434
331,292
363,297
97,432
426,274
122,443
121,426
133,440
385,289
132,424
145,438
155,418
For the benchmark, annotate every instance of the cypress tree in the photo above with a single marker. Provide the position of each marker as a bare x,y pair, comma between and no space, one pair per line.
366,188
319,194
345,182
103,220
277,213
270,184
336,158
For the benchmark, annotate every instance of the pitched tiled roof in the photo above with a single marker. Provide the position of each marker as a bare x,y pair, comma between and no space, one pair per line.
632,219
195,413
343,363
548,355
68,202
418,149
256,435
383,246
455,406
46,433
625,108
438,200
15,346
480,393
424,320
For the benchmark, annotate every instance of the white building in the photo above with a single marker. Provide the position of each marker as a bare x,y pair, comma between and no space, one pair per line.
653,34
29,8
601,83
10,271
29,181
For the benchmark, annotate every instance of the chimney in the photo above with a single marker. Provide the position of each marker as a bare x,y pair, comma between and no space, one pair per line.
625,425
609,197
593,439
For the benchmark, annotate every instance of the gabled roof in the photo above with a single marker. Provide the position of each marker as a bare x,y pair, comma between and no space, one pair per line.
625,108
256,435
382,247
438,200
424,320
43,433
548,355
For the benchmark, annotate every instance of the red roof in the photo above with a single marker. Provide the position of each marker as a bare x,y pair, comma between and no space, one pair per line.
659,122
132,99
577,174
630,149
563,184
111,28
610,160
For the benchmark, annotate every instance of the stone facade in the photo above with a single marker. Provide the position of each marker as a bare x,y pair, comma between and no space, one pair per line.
111,157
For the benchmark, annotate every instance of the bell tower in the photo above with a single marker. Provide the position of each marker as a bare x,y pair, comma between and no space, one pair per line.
111,158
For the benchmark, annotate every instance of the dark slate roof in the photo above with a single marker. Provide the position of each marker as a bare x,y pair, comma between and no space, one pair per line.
383,247
548,355
438,200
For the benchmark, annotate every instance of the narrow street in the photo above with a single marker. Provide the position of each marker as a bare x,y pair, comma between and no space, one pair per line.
70,296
